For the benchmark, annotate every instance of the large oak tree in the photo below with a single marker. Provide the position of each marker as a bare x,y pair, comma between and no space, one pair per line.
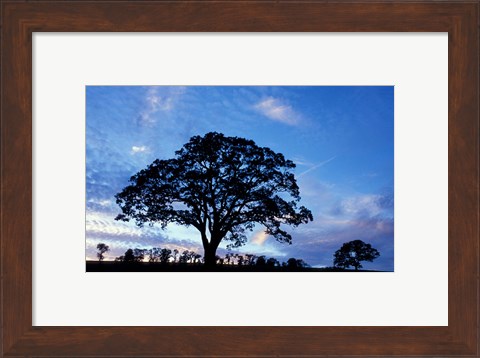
220,185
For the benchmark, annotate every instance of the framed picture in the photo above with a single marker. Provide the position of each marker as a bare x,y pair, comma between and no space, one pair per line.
352,119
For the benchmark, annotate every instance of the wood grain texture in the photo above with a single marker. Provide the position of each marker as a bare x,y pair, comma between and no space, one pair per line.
20,19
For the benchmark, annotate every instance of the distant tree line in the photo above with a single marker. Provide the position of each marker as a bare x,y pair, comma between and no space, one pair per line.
164,256
351,254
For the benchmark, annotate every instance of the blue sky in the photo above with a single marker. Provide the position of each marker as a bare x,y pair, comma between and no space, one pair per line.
341,139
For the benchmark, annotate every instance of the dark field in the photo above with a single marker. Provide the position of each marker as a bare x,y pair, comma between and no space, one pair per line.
112,266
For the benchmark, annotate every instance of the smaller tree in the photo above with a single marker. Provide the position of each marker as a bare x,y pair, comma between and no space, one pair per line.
292,263
191,257
136,255
165,255
219,260
228,258
102,248
295,264
261,261
185,257
240,260
352,253
129,256
250,259
139,254
272,262
302,264
153,254
197,258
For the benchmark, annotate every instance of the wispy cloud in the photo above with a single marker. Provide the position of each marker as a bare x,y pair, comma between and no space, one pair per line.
102,203
156,102
276,110
367,205
259,238
316,166
139,149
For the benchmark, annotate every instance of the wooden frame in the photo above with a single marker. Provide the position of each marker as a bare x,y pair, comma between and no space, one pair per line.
20,19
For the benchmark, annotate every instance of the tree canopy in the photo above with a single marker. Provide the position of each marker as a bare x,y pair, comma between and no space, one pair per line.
352,253
220,185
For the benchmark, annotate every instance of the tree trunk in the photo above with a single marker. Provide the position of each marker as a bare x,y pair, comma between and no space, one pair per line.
210,250
210,254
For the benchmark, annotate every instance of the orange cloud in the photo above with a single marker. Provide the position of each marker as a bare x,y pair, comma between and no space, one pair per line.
259,238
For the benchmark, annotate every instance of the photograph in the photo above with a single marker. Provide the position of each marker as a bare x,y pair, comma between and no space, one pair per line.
239,179
306,173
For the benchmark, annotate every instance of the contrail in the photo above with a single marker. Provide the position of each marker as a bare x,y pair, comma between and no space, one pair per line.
321,164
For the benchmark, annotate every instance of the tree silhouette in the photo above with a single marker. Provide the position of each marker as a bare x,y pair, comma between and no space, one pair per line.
102,248
302,264
139,254
272,262
197,258
261,261
250,259
129,256
219,260
189,257
135,255
352,253
184,257
222,186
165,255
153,254
228,258
293,264
240,260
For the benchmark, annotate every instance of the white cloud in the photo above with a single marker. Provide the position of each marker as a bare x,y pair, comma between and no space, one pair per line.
139,149
259,238
274,109
103,223
183,233
156,102
361,205
103,203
